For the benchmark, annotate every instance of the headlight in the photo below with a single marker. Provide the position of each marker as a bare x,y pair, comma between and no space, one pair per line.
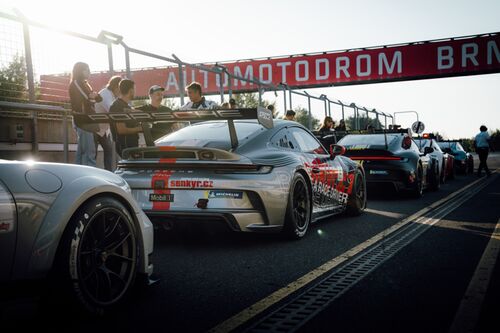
7,210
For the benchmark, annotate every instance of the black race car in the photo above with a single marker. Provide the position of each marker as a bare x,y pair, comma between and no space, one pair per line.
391,157
464,162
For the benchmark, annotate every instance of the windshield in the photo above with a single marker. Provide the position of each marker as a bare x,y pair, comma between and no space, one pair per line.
452,145
207,133
422,143
368,141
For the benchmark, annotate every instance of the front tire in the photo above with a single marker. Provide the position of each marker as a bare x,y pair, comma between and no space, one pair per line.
298,211
99,255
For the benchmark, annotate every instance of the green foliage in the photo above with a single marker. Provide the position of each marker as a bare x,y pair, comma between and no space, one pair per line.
251,100
302,117
363,122
495,139
13,80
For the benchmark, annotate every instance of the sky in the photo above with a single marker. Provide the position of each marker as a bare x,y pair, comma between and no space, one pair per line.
209,31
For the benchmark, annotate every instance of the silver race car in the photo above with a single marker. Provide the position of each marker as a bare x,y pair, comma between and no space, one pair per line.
77,224
255,176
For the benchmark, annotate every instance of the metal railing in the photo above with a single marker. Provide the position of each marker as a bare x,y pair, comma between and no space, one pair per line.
38,98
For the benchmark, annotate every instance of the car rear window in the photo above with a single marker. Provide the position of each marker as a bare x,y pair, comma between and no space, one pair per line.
368,140
216,131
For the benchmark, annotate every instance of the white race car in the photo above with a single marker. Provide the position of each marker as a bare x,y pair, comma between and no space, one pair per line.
76,224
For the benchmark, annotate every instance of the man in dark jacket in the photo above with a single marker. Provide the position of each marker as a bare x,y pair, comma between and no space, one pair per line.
159,129
125,134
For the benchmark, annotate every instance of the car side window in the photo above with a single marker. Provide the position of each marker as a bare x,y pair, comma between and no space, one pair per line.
436,147
283,140
414,146
307,143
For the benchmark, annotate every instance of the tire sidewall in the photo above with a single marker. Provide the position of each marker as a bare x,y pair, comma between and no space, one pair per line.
291,227
75,233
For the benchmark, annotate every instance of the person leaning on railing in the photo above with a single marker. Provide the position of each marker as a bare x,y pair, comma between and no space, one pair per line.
82,99
103,137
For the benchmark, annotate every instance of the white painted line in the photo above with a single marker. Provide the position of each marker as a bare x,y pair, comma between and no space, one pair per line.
265,303
385,213
469,310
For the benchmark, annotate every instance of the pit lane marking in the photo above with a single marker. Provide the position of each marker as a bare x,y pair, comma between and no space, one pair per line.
469,310
277,296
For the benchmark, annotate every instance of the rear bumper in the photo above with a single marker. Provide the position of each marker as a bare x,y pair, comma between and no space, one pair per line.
383,176
234,220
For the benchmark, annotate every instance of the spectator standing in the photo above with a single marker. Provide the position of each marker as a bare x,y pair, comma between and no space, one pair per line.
103,137
327,126
270,107
158,129
196,100
83,99
482,146
232,103
126,134
341,126
290,115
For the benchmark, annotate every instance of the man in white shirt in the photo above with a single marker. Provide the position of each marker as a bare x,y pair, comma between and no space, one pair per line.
103,137
197,101
482,146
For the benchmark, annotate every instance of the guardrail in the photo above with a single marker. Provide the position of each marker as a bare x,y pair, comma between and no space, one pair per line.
35,109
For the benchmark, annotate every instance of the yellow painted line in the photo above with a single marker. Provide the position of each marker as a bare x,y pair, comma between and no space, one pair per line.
265,303
468,313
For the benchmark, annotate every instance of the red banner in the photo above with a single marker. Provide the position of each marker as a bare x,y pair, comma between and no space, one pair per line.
422,60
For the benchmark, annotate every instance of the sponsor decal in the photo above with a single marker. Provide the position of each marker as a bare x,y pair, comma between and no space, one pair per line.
330,192
164,197
358,147
222,194
379,172
161,177
191,183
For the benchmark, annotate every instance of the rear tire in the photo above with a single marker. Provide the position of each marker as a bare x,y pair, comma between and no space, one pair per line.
357,200
298,210
98,256
434,181
418,188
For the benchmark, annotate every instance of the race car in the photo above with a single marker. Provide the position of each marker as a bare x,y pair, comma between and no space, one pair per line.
242,169
391,157
78,226
445,160
464,161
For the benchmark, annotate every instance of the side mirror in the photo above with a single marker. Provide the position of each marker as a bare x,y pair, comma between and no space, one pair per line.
428,150
447,150
336,150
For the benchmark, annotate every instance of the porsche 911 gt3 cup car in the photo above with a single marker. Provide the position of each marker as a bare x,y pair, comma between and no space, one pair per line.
251,175
78,224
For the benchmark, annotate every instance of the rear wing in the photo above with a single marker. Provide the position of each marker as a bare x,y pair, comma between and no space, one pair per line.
262,115
334,136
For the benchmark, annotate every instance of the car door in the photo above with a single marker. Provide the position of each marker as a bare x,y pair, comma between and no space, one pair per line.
8,216
322,170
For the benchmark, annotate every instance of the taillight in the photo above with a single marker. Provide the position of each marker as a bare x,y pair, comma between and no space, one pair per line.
250,169
7,210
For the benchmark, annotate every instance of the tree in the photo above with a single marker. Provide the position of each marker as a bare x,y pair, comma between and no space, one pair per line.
302,117
363,122
251,100
495,139
13,80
